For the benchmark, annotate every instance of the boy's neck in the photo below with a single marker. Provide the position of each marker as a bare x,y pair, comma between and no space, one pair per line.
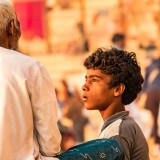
111,110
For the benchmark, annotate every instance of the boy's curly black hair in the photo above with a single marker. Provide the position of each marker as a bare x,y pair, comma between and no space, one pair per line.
122,66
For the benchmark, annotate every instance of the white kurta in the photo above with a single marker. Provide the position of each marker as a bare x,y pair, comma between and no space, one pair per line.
28,109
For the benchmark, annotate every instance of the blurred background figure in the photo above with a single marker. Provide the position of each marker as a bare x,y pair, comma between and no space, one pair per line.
149,51
71,110
79,43
152,89
118,41
68,137
142,116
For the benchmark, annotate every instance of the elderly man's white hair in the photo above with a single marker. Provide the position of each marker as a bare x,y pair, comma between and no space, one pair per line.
6,2
7,13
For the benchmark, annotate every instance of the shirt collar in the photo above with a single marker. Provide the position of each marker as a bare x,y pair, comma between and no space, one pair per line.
114,117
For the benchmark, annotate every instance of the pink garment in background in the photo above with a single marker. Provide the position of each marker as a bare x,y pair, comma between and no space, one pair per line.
31,16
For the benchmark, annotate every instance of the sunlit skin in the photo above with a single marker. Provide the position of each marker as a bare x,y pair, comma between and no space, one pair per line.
98,96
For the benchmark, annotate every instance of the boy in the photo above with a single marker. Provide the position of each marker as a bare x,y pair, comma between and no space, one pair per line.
113,80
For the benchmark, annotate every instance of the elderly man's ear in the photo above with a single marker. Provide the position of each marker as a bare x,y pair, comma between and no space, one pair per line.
10,28
12,35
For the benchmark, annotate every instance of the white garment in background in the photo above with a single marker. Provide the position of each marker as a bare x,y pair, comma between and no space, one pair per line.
142,116
28,109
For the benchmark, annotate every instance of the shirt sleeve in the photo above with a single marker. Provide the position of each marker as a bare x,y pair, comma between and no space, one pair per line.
126,145
45,111
132,140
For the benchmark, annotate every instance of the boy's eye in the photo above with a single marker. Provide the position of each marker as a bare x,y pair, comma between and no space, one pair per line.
94,80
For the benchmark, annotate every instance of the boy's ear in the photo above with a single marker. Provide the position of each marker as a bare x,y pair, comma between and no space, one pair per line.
119,89
10,27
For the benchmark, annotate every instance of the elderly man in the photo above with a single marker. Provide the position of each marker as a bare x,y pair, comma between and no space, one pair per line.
28,105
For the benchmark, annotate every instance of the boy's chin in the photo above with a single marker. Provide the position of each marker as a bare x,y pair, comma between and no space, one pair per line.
89,108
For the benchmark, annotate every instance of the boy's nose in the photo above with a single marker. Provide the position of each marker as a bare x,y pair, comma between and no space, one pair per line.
84,87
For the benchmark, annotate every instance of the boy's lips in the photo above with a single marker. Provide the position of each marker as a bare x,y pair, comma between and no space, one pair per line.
84,98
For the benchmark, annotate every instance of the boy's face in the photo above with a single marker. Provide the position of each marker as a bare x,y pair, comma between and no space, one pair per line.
96,92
